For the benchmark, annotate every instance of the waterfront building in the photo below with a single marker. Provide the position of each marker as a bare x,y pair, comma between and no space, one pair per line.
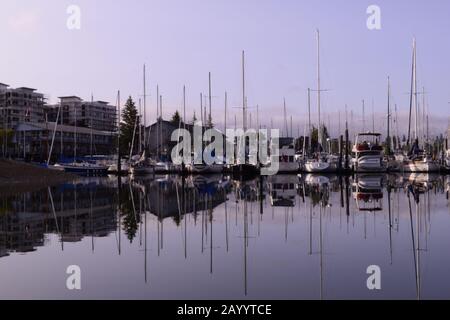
159,137
98,115
32,141
20,105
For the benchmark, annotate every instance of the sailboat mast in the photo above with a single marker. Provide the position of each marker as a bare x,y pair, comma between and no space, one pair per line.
75,134
309,110
225,127
416,106
285,119
157,121
424,117
210,101
411,93
388,138
244,111
184,107
145,108
140,127
226,107
318,86
118,134
363,116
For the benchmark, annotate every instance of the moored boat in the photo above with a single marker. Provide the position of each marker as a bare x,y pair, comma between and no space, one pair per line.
368,153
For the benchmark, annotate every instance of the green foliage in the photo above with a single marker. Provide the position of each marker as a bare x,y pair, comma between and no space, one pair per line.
130,219
315,137
127,124
176,118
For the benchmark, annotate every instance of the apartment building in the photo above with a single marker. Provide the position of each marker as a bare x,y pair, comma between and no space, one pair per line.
20,105
98,115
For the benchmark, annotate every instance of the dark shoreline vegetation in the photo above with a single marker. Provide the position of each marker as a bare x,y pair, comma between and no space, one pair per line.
16,177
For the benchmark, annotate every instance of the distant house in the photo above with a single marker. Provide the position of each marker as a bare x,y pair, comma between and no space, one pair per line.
159,136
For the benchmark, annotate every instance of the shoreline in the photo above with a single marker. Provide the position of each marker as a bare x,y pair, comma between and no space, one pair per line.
18,177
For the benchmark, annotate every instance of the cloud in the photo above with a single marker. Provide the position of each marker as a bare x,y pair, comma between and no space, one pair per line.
24,21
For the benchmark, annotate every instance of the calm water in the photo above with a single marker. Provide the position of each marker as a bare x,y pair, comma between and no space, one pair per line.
289,237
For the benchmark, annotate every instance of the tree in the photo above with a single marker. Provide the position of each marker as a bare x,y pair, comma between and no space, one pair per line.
315,138
5,141
127,126
176,118
130,220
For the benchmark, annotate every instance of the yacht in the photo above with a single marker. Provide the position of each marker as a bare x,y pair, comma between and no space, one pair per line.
368,153
82,168
286,156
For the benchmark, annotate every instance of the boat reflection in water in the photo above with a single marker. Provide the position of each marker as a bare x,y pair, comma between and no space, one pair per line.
368,192
211,237
283,190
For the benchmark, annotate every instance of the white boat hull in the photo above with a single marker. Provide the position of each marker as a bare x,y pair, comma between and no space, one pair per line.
369,164
316,166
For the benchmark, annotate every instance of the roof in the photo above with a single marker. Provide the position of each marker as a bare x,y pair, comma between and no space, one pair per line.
369,134
33,126
27,89
3,85
189,126
70,97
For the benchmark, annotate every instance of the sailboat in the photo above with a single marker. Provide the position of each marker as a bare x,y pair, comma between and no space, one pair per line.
198,165
145,165
318,163
244,169
418,159
286,153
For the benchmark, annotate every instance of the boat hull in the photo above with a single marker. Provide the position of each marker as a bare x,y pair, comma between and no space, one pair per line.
369,164
317,166
205,169
421,166
85,171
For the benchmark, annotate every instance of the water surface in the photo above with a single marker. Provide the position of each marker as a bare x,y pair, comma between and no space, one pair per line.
283,237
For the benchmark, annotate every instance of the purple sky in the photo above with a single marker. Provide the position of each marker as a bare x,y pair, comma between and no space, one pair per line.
182,40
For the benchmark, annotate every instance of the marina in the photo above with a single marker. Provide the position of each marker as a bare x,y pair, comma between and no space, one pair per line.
224,151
